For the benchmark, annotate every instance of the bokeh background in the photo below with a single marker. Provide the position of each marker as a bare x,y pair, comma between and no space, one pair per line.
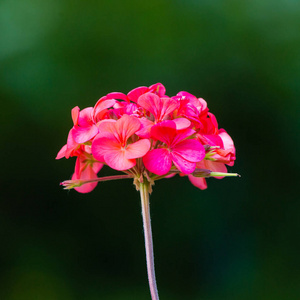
239,239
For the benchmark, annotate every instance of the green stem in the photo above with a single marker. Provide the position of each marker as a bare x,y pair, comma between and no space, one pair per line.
70,184
144,192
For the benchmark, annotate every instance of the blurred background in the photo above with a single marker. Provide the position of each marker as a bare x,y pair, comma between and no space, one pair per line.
239,239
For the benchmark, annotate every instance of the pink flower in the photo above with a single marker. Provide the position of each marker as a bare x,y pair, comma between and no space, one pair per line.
146,133
177,149
111,144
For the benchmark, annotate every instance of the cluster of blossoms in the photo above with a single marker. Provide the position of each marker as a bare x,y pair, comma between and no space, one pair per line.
147,134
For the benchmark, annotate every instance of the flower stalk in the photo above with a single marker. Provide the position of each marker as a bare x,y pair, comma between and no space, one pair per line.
71,184
144,193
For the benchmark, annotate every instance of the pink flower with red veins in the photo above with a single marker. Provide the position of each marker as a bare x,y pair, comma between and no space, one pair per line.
176,149
112,147
148,136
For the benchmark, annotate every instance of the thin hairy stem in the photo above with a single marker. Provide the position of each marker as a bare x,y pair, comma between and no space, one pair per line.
144,192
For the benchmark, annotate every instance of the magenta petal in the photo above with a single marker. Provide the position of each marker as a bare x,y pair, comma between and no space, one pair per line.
213,140
137,149
191,150
117,95
182,123
182,134
198,182
158,88
136,93
84,134
158,161
116,159
182,164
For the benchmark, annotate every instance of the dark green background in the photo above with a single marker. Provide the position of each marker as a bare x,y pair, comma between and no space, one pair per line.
239,239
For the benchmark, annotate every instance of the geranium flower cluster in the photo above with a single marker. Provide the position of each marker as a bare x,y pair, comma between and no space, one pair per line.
147,134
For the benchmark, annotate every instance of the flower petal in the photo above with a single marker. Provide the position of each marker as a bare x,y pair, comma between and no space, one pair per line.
117,95
85,117
136,93
87,173
126,127
62,152
182,164
182,123
191,150
158,161
215,167
164,131
144,131
116,159
84,134
158,89
107,128
159,107
103,145
198,182
137,149
75,115
100,106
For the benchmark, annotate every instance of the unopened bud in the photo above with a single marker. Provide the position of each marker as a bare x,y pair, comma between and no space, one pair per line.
209,173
